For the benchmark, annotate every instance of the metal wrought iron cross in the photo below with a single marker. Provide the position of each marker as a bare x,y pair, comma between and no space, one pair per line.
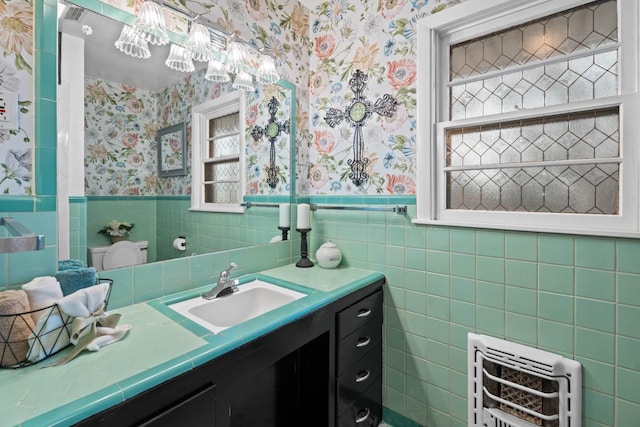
272,131
358,111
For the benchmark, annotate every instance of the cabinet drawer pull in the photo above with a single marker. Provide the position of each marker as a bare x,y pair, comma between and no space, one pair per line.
362,418
364,312
363,342
363,375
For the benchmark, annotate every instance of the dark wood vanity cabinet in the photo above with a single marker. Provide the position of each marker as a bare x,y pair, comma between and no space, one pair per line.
359,363
195,411
324,369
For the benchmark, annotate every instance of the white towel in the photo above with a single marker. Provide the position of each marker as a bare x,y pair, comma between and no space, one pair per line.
42,292
107,336
84,302
93,332
51,335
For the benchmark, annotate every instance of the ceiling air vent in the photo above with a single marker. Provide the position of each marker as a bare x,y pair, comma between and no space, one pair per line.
73,13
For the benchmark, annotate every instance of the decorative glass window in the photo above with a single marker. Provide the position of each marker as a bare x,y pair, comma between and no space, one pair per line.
534,108
218,157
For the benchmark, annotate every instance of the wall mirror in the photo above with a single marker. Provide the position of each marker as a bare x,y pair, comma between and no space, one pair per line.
127,101
172,147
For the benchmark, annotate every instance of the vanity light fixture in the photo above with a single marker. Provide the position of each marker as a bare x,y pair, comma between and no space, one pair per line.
225,53
132,43
356,114
243,81
150,23
216,72
180,59
267,73
199,42
236,58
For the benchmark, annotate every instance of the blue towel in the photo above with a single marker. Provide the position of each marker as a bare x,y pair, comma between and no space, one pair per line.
73,280
70,264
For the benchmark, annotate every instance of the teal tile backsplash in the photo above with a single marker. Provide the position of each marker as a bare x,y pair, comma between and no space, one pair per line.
575,296
596,252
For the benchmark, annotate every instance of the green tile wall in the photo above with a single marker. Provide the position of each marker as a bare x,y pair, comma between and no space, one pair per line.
137,210
37,212
572,295
210,232
20,267
159,220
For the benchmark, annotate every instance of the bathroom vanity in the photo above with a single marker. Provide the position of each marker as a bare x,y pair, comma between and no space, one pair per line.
314,362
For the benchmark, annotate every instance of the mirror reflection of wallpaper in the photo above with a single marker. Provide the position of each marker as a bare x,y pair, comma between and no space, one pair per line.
16,76
258,151
121,123
175,106
120,139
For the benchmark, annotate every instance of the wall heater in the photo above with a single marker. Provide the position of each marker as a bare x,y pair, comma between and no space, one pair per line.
512,385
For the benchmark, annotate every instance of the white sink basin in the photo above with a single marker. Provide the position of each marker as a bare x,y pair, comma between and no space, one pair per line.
252,300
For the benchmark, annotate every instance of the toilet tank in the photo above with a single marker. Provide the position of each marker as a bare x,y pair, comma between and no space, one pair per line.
96,254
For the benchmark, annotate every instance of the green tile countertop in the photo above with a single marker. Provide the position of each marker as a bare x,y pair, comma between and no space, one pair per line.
158,347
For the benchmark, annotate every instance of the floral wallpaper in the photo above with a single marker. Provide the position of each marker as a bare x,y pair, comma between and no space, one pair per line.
378,38
120,139
16,75
175,106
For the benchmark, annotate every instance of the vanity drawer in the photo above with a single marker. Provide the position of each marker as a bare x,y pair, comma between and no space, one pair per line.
359,343
359,313
366,410
358,378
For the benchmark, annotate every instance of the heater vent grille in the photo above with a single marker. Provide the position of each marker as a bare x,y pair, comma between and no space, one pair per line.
511,385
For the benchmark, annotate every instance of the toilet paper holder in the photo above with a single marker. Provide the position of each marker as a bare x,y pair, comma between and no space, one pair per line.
180,243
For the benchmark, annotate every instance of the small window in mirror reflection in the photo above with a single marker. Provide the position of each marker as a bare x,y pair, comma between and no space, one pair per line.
171,151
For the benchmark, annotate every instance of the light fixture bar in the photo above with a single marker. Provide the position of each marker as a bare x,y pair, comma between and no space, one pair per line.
219,37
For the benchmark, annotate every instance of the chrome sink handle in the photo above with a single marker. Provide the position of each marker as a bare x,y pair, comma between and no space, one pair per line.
224,286
224,274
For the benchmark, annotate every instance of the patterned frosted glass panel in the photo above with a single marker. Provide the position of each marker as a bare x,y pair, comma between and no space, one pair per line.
579,79
224,136
223,171
561,188
568,32
222,192
590,135
583,189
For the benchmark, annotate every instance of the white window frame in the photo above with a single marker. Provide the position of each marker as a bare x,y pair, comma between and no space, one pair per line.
475,18
201,115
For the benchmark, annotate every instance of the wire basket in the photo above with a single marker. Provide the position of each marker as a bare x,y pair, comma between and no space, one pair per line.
46,342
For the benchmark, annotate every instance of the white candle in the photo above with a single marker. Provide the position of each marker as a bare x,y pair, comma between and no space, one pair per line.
304,216
285,216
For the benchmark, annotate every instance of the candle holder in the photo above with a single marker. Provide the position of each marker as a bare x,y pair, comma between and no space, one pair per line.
304,262
285,232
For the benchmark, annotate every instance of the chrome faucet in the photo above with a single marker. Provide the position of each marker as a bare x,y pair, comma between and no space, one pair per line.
224,286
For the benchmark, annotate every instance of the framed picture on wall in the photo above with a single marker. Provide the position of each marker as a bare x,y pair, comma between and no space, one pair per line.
172,158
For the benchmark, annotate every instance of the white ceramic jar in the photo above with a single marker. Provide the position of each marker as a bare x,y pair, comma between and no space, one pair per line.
329,255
